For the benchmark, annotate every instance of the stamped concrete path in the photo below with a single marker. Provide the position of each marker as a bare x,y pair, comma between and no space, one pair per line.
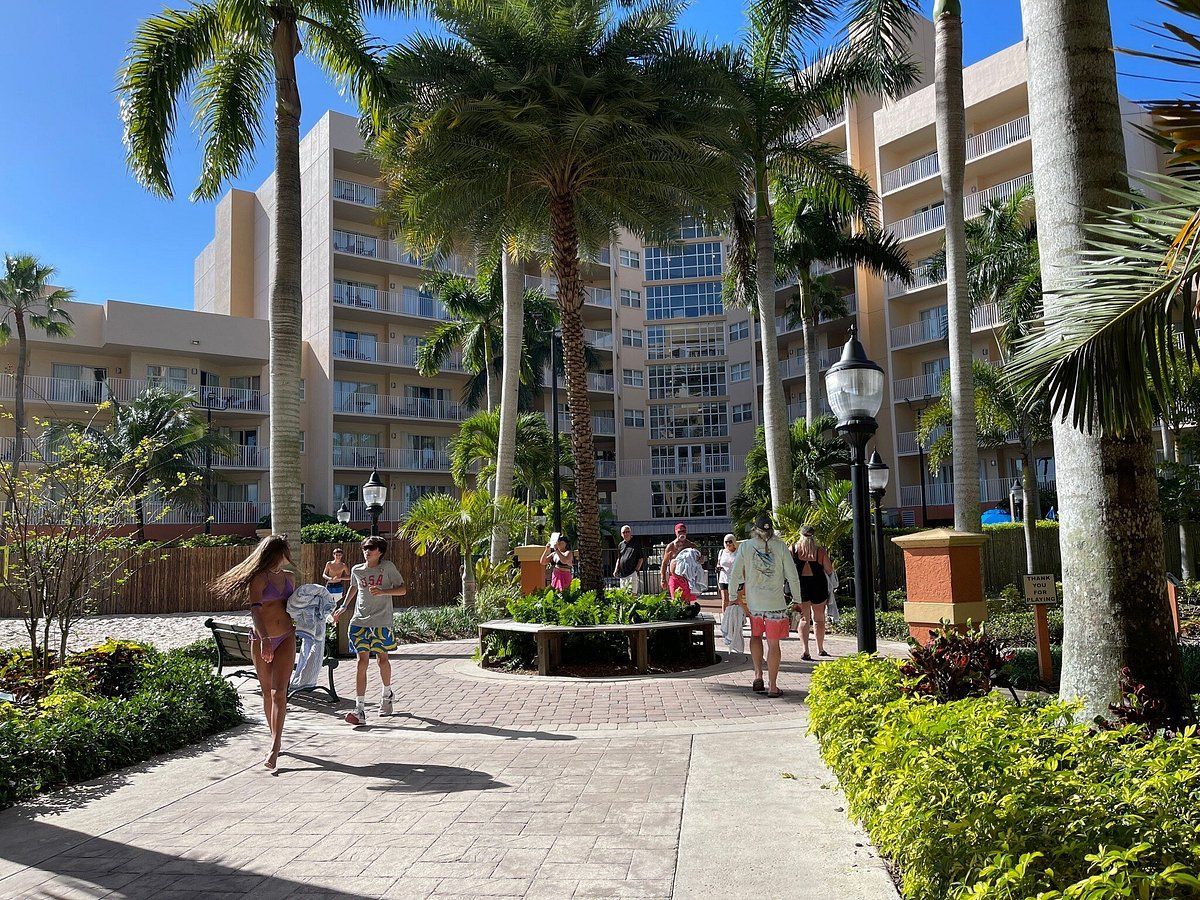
482,785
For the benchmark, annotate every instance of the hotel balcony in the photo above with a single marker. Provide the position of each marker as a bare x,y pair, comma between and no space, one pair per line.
369,247
941,493
978,146
71,391
927,331
394,407
601,425
356,193
593,296
600,340
387,354
931,220
395,302
793,366
391,459
715,463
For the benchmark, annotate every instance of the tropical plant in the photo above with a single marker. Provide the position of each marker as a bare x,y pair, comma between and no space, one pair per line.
1107,329
1003,413
27,300
227,55
1177,410
463,524
812,227
547,118
157,440
817,458
774,99
828,511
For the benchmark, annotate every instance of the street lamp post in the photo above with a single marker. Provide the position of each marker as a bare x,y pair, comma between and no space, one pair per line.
854,389
1013,492
374,494
555,338
877,478
343,513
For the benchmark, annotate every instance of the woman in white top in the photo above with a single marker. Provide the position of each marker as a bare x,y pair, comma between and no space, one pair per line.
724,565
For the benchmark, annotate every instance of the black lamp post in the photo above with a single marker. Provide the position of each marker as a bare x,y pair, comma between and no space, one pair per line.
374,494
343,513
854,389
555,337
209,405
877,478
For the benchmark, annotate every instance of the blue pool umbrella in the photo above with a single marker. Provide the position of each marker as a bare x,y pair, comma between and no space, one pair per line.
995,517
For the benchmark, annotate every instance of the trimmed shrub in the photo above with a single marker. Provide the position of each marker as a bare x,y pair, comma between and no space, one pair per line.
577,608
1013,629
328,533
215,540
984,798
423,624
75,733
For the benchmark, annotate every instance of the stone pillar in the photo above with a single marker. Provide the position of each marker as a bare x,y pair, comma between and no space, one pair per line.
533,572
944,573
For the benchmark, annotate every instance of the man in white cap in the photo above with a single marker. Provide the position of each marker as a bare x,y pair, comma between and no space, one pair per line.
763,563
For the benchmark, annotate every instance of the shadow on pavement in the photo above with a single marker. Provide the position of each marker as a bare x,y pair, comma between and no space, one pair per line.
512,734
96,866
400,778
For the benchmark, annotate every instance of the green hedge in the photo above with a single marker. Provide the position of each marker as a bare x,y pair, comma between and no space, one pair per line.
75,732
983,798
1015,629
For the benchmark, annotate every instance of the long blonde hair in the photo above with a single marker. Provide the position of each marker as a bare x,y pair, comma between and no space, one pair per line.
234,586
806,546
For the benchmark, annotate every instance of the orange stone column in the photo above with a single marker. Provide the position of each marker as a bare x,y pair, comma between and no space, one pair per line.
533,572
944,572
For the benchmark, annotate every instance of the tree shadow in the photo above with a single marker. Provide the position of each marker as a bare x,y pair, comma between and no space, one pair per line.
510,734
80,863
400,778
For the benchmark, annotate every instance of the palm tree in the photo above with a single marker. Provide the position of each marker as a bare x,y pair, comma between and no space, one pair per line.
828,511
158,442
463,524
475,308
227,56
952,162
27,300
567,120
813,227
1003,413
1099,357
816,459
773,97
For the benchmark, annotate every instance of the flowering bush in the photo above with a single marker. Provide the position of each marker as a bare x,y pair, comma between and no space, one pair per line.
954,665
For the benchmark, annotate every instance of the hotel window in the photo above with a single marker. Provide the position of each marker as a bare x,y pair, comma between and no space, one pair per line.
688,301
301,441
631,298
689,420
689,261
739,331
676,498
685,341
631,337
345,493
354,345
635,418
630,259
692,227
634,378
171,377
355,397
687,380
414,492
689,459
742,413
739,372
356,293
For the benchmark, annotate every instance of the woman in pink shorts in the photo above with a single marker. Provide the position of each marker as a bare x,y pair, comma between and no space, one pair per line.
562,562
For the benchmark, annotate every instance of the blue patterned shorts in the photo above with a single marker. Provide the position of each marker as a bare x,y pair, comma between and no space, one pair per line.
371,640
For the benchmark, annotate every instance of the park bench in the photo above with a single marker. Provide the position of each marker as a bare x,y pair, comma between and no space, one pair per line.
549,638
233,649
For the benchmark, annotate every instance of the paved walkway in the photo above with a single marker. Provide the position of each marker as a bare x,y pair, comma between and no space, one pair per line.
485,786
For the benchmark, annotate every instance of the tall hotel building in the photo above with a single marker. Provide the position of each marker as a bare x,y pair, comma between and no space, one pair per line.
677,394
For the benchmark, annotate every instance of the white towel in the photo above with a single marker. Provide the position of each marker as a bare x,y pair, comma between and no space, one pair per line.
732,621
309,606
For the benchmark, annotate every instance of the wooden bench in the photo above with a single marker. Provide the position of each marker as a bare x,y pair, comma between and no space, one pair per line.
233,649
549,638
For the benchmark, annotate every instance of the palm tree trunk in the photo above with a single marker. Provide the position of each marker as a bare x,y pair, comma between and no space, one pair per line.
952,156
19,401
489,376
564,237
1029,490
285,330
775,425
808,324
1114,605
514,340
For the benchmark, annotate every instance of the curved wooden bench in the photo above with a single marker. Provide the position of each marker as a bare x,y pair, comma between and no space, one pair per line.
549,638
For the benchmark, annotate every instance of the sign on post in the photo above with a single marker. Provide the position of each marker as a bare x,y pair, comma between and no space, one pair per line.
1040,591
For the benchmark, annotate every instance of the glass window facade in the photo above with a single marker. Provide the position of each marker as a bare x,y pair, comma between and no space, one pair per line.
702,260
689,459
684,301
635,378
630,259
685,341
683,498
635,418
742,413
739,372
688,380
689,420
631,298
739,331
692,227
631,337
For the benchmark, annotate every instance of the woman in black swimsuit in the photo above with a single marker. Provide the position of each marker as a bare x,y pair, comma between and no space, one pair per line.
815,567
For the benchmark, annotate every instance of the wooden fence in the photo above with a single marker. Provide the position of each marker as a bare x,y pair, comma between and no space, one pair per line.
1004,555
176,580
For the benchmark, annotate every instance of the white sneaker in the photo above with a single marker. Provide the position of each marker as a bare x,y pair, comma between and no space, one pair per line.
385,705
358,716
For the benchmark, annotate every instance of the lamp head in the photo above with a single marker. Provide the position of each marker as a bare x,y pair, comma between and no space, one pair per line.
374,491
854,384
878,473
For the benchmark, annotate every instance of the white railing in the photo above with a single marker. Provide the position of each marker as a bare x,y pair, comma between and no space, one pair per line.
389,301
918,333
367,246
941,493
783,324
396,407
601,340
388,354
595,296
606,468
977,145
391,459
986,316
932,219
600,382
827,358
918,387
244,456
797,410
353,192
47,389
906,441
606,425
973,205
894,287
706,465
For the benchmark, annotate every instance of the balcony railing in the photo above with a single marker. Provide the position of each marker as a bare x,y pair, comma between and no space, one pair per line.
797,410
389,301
395,407
606,468
934,329
783,324
941,493
918,387
244,456
906,441
606,425
47,389
367,246
933,219
388,354
600,382
392,459
595,296
714,463
353,192
921,280
601,340
978,145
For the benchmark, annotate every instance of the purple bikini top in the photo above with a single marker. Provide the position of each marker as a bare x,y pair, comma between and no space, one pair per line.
270,592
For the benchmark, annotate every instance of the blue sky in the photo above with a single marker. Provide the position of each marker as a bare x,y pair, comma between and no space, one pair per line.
68,198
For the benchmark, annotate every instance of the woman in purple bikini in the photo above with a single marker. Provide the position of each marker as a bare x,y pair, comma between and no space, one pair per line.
261,583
